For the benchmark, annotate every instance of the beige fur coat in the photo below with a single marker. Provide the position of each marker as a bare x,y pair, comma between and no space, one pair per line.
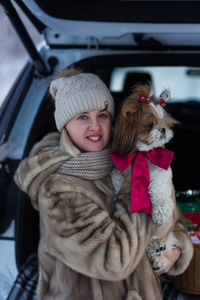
90,246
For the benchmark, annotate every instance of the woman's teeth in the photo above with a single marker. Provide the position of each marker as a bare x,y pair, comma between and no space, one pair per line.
94,138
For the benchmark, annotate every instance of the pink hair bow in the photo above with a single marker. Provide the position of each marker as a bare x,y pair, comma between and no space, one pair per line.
140,198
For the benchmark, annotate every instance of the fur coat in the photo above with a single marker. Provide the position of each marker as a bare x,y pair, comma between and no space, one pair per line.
90,246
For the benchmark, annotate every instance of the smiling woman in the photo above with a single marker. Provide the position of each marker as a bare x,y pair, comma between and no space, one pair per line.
90,131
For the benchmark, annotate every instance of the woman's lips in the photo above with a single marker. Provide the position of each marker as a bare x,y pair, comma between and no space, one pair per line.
94,138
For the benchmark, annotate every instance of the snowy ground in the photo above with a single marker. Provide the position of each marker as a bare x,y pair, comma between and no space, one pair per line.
8,270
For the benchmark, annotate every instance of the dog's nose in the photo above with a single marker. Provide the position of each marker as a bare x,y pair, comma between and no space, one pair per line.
163,130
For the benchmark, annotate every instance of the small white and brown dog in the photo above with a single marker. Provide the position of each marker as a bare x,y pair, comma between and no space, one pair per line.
143,126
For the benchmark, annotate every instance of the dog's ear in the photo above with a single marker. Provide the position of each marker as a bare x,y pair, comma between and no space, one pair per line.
171,122
126,128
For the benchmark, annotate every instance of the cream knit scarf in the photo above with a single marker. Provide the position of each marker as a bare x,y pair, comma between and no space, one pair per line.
88,165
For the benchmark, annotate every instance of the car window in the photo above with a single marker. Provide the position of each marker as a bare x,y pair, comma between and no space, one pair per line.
182,82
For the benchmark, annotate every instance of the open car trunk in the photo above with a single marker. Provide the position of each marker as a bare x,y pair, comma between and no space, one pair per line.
185,164
102,37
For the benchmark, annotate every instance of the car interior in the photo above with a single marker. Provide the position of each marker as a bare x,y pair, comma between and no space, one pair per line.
185,144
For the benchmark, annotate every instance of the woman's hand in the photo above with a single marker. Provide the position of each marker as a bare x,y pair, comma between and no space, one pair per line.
172,258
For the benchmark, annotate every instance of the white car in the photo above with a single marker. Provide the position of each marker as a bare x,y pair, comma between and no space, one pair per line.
123,42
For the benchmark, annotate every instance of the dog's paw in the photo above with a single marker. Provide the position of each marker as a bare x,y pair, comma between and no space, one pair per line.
162,212
159,263
156,248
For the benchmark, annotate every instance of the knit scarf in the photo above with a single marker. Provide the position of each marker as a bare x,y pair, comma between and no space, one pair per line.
88,165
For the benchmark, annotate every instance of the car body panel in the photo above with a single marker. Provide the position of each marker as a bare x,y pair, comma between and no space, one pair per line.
169,22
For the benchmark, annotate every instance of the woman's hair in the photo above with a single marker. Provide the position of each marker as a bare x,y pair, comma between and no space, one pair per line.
67,145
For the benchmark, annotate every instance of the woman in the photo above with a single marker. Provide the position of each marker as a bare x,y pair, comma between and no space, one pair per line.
90,246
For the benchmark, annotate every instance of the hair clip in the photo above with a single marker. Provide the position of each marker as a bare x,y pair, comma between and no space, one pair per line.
144,99
106,104
162,103
164,98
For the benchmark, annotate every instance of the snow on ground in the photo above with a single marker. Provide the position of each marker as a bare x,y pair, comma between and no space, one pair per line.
8,269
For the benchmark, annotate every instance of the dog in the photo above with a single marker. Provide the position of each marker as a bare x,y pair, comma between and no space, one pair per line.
141,130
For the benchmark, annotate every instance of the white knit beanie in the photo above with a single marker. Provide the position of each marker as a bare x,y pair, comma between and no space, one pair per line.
77,94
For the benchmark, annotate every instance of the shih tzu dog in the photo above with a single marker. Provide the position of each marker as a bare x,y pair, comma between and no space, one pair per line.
141,130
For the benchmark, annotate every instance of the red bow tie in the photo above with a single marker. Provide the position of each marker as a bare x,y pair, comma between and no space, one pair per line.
140,198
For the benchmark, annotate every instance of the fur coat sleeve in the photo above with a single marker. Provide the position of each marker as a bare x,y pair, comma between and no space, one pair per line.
184,243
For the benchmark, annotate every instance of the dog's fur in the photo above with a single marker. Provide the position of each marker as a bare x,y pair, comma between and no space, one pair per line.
142,127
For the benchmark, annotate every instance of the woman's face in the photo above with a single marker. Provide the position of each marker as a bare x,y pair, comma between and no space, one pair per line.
90,131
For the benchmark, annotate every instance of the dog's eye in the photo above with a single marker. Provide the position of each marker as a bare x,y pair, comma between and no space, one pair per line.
150,124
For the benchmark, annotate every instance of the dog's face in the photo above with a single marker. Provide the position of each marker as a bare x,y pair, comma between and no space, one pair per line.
155,127
141,126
